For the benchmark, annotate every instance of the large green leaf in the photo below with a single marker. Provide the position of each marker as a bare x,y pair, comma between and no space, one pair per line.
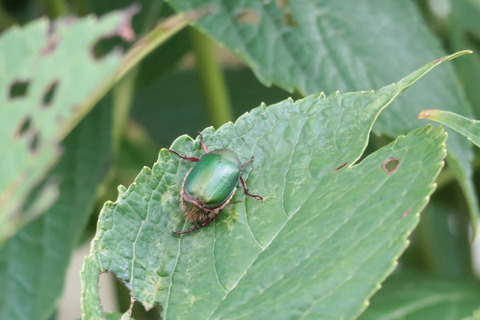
318,45
328,232
34,260
48,76
418,296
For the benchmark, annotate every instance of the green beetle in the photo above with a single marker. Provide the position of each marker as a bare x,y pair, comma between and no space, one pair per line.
209,186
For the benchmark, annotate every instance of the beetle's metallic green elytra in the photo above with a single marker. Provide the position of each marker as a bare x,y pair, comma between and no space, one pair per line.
212,181
210,185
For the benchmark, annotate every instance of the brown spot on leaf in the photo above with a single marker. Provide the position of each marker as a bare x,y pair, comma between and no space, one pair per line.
406,213
390,165
52,44
247,16
340,166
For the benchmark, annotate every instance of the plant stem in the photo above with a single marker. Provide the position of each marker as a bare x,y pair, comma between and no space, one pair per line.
5,19
55,8
82,7
213,84
122,101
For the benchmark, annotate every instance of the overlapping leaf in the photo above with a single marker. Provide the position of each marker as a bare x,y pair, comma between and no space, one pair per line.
469,128
327,226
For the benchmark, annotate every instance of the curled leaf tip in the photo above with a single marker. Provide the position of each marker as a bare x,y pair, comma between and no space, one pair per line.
452,56
462,52
426,114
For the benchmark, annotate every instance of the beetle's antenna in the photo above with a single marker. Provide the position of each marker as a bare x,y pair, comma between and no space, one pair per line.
193,159
247,163
204,146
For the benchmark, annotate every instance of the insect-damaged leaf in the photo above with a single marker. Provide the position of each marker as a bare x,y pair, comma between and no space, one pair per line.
53,74
327,227
49,77
39,252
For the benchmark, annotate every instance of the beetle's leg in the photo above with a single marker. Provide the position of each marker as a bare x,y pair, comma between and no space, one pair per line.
198,226
184,157
244,186
204,146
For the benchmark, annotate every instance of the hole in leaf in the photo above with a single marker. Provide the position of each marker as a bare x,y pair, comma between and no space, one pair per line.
390,165
104,46
107,290
19,89
110,286
34,142
139,312
24,126
247,16
49,94
288,18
